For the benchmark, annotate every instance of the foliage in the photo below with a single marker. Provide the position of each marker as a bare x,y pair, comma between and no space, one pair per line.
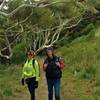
9,85
97,90
8,91
20,29
18,54
34,17
82,55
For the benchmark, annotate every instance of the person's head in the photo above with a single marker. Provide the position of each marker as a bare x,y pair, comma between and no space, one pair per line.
30,54
50,52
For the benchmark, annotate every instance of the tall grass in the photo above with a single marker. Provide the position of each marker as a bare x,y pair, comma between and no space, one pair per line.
83,55
10,80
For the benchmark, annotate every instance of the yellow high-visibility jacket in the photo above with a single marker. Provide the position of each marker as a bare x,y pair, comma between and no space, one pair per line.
30,70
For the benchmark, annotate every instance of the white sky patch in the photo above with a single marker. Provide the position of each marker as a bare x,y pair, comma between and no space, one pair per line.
5,7
37,0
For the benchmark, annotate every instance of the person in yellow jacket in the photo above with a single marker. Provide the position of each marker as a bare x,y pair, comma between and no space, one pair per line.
30,74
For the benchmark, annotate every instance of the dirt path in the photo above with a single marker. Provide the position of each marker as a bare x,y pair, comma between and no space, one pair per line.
42,90
42,93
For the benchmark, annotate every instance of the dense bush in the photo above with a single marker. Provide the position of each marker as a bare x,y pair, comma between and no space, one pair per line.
18,54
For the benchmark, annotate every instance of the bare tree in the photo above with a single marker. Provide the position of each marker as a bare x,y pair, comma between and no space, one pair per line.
49,37
42,38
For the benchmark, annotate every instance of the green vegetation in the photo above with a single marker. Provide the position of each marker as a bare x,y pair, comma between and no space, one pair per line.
42,23
10,81
82,70
18,54
81,55
71,26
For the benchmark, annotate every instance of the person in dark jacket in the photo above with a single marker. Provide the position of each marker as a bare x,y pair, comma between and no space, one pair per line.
53,74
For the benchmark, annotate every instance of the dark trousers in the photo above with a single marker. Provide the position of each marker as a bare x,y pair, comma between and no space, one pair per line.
53,83
31,86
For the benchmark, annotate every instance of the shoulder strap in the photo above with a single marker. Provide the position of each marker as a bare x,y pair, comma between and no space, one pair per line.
33,62
34,67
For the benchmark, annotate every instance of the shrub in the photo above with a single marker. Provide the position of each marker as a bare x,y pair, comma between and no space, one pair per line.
3,67
7,92
91,34
87,29
97,90
18,54
97,76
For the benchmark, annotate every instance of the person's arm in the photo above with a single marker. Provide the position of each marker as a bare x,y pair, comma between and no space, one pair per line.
45,65
23,76
37,71
57,62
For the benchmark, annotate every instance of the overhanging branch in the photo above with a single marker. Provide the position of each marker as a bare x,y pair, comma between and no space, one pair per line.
57,33
34,5
2,5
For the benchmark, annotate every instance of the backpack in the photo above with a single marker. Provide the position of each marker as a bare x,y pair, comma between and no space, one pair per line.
34,67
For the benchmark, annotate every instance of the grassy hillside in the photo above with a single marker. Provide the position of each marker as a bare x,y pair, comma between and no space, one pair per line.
81,75
80,80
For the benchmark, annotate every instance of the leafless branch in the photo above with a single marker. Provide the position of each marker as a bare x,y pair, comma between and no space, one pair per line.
48,41
34,5
2,5
8,46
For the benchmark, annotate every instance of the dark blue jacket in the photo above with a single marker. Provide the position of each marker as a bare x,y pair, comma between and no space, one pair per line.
52,71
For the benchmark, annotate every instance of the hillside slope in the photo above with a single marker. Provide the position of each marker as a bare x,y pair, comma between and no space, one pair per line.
80,80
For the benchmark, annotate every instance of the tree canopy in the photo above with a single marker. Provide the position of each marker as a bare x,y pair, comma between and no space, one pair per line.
38,24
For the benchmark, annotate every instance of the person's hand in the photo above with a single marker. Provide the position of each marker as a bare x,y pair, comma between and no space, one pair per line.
58,64
22,81
45,66
26,81
36,84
